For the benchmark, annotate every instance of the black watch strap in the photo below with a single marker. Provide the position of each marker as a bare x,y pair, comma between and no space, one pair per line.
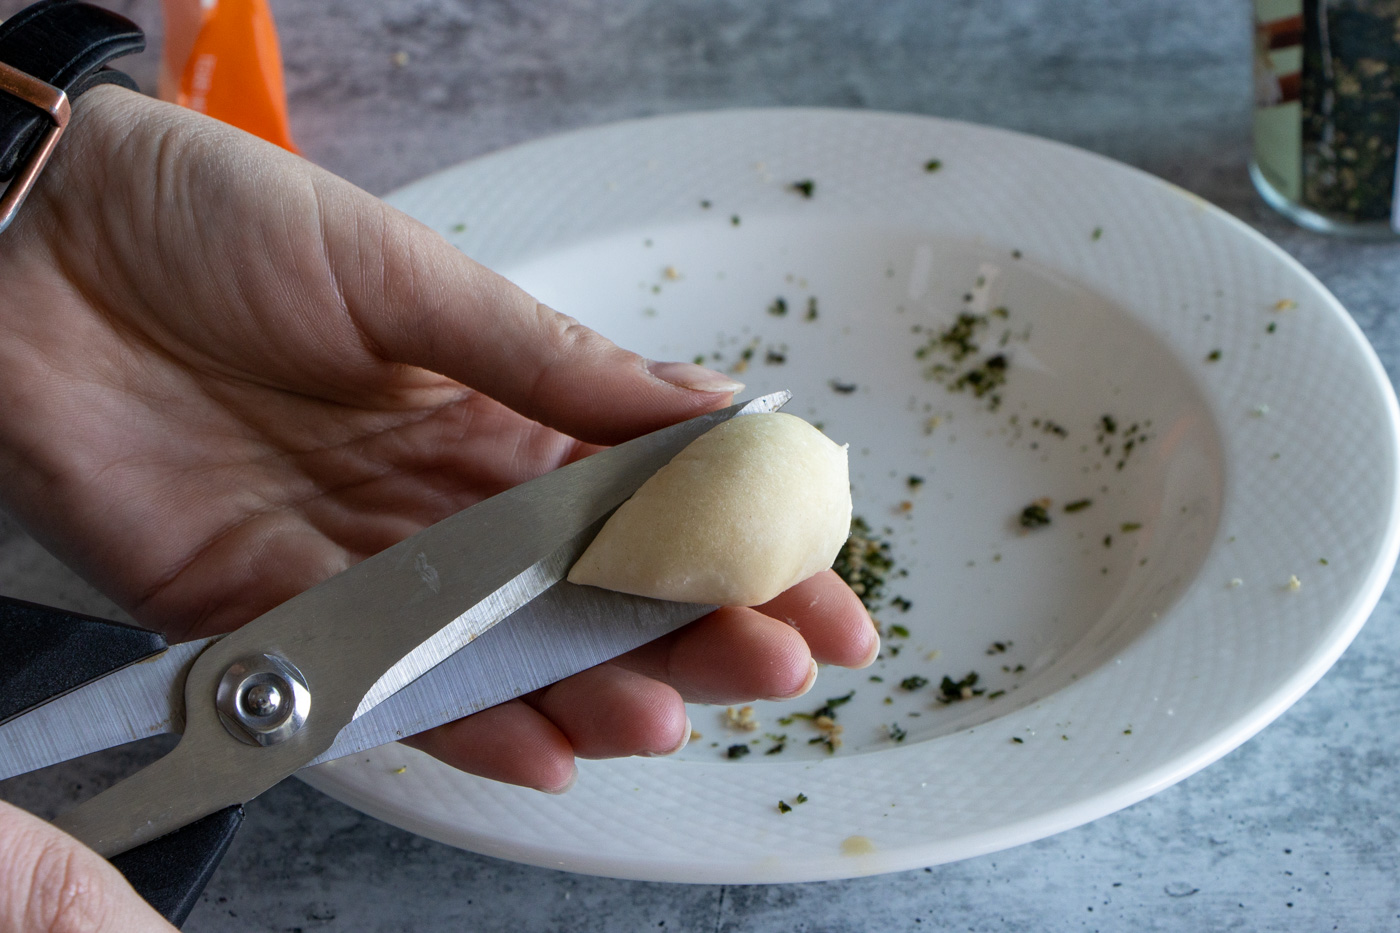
50,53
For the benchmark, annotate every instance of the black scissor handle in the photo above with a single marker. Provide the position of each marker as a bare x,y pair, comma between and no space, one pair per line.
48,652
170,872
45,653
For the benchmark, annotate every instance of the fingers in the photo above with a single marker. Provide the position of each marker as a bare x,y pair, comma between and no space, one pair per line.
734,655
830,618
730,656
609,711
511,742
50,882
427,305
604,712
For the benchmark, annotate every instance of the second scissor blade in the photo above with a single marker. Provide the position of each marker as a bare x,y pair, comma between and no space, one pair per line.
565,630
138,701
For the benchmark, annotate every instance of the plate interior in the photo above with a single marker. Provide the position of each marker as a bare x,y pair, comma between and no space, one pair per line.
971,383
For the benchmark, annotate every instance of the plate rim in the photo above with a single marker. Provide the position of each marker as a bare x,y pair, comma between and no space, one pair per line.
1056,819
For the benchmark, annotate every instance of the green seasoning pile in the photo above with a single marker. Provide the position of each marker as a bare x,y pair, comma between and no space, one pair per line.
865,563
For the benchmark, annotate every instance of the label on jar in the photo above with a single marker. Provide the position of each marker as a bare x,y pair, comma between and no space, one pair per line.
1278,79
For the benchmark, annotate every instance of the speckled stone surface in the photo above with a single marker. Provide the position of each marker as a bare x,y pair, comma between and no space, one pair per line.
1299,829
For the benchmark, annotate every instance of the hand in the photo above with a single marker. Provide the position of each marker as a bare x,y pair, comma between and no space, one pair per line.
51,883
226,375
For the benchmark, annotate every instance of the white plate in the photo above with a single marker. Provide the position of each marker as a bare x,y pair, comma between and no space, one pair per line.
1265,451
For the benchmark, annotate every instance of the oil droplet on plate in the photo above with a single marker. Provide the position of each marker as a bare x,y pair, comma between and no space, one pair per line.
857,845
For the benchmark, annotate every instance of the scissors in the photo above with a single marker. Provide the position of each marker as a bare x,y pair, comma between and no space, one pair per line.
470,612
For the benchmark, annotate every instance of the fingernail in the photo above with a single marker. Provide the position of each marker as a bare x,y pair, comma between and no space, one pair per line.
873,653
566,786
806,684
693,377
685,740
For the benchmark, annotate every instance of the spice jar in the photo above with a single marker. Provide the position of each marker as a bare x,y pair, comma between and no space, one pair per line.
1327,113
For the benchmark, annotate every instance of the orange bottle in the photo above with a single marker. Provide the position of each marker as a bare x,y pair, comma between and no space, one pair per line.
221,58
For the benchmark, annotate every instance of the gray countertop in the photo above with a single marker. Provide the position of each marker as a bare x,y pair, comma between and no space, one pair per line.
1299,829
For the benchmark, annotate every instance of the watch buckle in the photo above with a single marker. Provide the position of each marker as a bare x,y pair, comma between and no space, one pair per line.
52,101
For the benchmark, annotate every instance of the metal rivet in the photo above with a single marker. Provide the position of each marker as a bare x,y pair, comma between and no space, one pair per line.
263,700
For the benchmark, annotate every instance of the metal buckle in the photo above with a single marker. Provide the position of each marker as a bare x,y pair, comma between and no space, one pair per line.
52,101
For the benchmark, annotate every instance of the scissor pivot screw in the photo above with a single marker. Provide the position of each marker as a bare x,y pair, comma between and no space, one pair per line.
263,700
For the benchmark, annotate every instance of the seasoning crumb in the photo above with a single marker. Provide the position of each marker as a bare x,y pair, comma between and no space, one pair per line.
695,735
1294,584
806,187
896,732
671,273
736,751
1235,583
1017,740
830,731
1078,505
1285,304
843,388
401,769
783,807
1259,411
811,308
779,307
1035,515
933,165
951,691
742,719
1097,234
734,220
913,683
399,59
1213,356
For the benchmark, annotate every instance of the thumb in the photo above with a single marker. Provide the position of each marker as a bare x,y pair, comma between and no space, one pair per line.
420,302
51,883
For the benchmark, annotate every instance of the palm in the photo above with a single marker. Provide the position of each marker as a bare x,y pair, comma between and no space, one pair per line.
240,459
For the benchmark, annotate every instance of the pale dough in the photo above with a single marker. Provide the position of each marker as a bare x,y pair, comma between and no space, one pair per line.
750,508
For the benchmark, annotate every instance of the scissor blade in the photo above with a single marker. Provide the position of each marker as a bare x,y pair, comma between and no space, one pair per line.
140,700
565,630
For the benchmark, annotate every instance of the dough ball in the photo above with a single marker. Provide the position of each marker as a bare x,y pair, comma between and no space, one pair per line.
750,508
